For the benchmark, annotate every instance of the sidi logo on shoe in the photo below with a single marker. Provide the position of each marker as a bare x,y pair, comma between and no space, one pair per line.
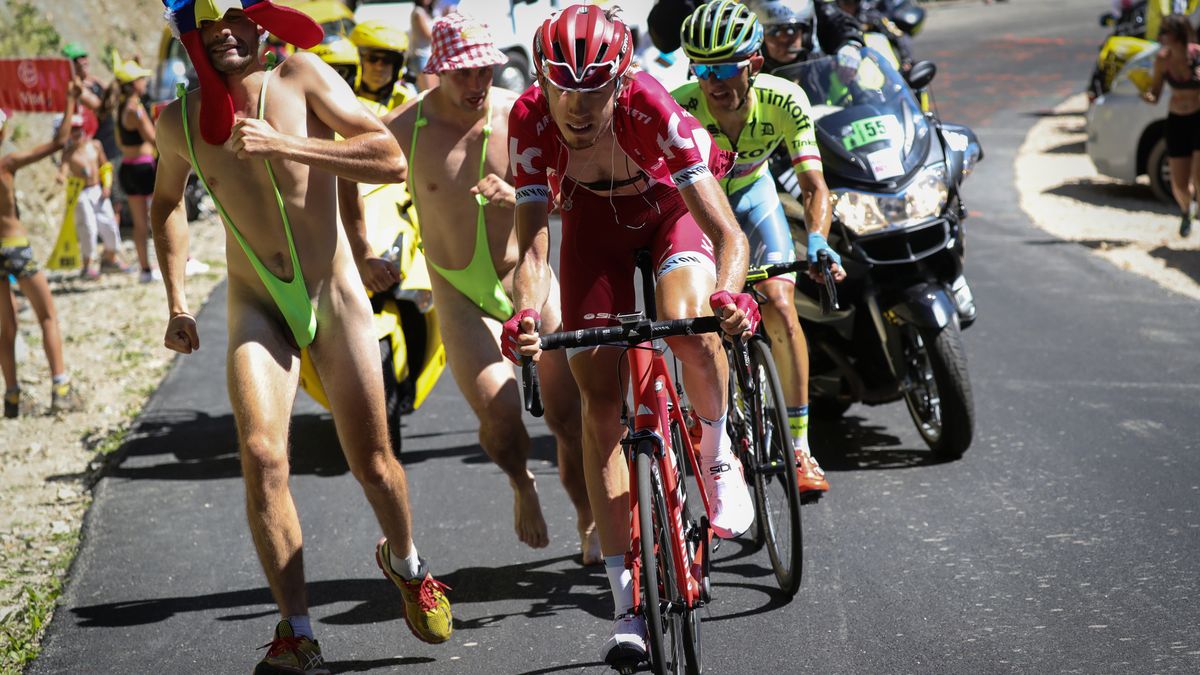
717,469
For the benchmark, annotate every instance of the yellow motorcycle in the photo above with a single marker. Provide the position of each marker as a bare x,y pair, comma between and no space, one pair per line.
410,343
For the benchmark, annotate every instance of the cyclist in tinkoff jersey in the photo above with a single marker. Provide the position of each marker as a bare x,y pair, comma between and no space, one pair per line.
751,114
631,170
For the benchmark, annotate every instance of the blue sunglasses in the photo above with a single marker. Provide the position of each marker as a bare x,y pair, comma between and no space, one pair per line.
720,71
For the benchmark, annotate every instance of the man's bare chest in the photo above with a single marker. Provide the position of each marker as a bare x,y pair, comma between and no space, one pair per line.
447,162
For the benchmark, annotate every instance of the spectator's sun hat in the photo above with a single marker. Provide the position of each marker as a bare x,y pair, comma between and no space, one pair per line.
73,50
129,71
185,17
460,41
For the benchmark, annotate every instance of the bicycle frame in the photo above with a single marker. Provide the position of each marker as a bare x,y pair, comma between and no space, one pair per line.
656,406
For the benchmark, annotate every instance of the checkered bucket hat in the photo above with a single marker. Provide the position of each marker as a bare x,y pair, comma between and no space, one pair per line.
460,41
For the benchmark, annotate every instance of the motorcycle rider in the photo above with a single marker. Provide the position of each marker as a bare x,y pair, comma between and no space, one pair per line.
752,114
872,19
797,30
381,49
377,274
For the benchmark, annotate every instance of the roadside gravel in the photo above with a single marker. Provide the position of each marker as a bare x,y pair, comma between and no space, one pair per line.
1124,224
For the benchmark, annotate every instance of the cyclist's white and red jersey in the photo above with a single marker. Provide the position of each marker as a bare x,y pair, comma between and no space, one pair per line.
665,141
600,232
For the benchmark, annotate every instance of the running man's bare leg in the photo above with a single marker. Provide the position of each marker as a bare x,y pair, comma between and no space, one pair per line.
263,372
684,293
8,334
487,381
37,289
604,466
560,395
346,356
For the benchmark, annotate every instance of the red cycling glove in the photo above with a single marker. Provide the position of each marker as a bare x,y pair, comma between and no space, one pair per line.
512,329
743,301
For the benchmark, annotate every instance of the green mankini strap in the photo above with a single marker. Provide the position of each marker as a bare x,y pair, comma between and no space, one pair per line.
290,296
478,281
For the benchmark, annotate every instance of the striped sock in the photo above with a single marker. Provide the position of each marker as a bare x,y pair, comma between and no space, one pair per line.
798,421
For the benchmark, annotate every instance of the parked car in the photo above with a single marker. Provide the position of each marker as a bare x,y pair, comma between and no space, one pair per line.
1125,135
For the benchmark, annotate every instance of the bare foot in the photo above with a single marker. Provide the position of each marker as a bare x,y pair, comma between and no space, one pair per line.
589,545
527,515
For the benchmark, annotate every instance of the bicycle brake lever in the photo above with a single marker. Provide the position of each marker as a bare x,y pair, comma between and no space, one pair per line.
531,387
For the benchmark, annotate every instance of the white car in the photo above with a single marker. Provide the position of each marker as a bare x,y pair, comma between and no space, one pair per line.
1125,134
512,22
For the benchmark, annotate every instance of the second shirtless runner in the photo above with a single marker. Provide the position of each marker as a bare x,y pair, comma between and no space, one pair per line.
465,207
262,143
84,158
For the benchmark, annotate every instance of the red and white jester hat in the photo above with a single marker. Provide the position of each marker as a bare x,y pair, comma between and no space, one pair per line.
185,17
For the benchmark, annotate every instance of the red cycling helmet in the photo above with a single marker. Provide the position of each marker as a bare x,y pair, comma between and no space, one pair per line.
582,48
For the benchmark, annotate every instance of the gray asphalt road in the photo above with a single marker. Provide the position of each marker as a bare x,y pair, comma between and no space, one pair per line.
1065,540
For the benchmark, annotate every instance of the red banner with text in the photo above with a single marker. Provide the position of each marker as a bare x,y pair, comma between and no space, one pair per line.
34,85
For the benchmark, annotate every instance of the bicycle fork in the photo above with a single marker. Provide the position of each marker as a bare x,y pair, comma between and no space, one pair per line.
655,404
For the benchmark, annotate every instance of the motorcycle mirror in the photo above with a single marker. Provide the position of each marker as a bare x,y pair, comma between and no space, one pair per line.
908,17
921,74
1107,20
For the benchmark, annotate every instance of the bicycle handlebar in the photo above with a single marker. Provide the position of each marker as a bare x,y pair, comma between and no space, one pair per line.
631,333
829,299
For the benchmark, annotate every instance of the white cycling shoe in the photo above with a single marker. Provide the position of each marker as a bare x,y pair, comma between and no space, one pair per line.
732,509
626,645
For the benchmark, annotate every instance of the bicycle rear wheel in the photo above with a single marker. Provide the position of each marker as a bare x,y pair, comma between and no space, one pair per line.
664,623
776,492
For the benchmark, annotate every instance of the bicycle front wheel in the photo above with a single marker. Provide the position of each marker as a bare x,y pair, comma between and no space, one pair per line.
659,582
776,492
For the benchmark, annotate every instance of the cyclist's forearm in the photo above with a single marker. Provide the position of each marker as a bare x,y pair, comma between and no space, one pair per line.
531,278
818,210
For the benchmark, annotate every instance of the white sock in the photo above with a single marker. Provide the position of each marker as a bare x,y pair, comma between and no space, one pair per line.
714,442
301,626
408,567
620,580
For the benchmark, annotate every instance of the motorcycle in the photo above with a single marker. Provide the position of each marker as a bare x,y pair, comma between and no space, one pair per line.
895,174
406,326
1126,41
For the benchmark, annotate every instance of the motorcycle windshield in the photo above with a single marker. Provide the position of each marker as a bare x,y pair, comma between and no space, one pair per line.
869,126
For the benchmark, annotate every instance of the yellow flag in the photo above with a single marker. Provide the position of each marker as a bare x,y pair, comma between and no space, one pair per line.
66,250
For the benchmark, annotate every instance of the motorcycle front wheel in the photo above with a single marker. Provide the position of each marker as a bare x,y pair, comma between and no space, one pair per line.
938,391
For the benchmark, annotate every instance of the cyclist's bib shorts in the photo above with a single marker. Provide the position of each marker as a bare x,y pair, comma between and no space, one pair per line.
760,213
599,240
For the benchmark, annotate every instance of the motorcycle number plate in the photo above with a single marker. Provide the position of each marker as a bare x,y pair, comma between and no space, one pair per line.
871,130
886,163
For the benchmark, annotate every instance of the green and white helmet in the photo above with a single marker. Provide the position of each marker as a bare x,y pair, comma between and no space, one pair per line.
721,31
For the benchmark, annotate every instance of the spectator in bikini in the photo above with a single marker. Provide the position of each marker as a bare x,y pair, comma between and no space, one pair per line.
135,135
16,259
1178,64
84,158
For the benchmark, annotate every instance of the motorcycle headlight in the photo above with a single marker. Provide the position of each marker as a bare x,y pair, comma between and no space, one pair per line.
927,195
859,211
924,198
